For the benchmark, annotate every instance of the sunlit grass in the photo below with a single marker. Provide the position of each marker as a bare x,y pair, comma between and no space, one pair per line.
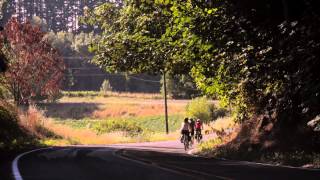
53,133
220,124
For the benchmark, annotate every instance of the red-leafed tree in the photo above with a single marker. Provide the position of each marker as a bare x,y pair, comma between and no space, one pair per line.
35,69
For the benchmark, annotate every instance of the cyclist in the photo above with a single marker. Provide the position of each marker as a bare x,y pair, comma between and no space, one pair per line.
185,129
198,127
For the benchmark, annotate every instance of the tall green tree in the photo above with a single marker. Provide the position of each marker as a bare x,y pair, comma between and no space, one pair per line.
132,38
260,56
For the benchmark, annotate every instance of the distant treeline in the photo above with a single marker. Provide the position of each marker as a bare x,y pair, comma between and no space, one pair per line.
60,15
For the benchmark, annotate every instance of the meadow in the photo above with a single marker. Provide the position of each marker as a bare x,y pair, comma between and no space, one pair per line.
95,118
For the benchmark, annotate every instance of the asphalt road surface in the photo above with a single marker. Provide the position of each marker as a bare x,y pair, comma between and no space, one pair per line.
150,161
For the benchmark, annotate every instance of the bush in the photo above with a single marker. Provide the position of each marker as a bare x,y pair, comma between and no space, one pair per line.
219,113
4,93
200,108
12,135
129,127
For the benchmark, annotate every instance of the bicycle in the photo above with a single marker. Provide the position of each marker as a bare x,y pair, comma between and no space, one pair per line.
198,136
185,140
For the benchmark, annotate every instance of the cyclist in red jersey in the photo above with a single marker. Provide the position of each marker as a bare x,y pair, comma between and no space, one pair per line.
198,126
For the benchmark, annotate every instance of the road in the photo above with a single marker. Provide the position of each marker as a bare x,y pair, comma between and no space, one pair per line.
150,161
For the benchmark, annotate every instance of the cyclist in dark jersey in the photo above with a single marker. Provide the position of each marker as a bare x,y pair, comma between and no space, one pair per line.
185,129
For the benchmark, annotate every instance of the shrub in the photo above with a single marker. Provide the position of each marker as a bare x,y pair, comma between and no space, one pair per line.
200,108
128,127
4,93
219,113
12,134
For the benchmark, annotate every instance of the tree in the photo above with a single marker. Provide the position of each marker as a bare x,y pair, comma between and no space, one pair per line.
106,86
131,39
35,69
3,64
180,86
200,108
260,56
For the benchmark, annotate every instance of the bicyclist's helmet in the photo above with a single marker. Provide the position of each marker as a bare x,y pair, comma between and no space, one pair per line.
198,120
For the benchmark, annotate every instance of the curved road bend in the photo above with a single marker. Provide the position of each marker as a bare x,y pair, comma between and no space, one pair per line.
150,161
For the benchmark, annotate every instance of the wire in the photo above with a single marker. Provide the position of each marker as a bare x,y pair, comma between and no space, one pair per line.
146,80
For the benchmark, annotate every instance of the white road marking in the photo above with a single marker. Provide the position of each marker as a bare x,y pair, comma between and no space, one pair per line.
15,168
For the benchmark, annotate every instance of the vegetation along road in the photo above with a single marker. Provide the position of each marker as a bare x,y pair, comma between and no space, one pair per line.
158,160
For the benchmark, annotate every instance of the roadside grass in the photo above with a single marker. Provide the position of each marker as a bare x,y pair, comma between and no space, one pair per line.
221,146
221,125
17,132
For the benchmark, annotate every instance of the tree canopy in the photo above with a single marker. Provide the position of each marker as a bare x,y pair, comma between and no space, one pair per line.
260,56
35,69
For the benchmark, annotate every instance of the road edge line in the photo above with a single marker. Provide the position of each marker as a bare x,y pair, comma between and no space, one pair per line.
14,167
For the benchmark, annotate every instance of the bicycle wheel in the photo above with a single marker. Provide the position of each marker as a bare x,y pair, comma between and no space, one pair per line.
186,142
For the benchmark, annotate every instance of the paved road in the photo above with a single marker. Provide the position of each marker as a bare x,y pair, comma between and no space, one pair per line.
151,161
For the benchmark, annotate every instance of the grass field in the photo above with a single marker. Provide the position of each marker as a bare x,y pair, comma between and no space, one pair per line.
90,119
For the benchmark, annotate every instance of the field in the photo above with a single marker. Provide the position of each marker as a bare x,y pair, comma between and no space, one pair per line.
96,119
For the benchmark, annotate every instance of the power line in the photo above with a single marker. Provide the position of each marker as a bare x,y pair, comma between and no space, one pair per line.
146,80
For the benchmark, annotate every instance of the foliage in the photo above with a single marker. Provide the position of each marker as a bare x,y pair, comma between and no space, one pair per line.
35,68
208,146
129,127
4,93
70,44
37,21
180,86
262,57
131,38
12,135
200,108
149,124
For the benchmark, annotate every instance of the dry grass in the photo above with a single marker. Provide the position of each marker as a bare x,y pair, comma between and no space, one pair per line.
120,100
221,124
65,135
89,137
86,136
110,107
133,110
32,120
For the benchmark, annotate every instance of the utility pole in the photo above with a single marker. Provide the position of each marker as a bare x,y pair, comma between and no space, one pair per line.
165,101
